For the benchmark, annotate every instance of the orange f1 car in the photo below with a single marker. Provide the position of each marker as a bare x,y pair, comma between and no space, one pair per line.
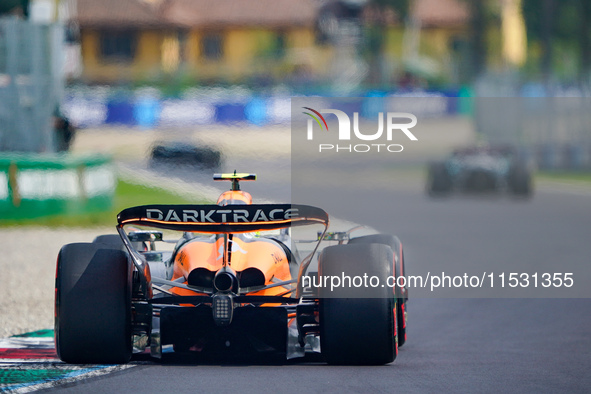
235,283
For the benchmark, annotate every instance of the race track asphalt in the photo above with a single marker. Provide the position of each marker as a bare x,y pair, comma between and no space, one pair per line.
486,344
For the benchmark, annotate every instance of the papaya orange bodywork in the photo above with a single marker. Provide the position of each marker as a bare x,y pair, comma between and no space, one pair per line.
234,197
244,252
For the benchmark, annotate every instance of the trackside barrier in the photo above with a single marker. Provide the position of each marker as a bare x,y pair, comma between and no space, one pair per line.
32,186
88,110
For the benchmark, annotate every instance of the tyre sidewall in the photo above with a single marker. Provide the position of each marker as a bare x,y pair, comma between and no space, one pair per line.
357,326
93,304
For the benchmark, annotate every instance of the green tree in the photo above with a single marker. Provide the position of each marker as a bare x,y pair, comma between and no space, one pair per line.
478,26
375,32
540,28
551,23
585,42
484,14
12,6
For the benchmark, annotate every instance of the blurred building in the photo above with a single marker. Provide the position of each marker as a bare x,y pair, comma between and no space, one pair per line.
434,43
260,40
206,39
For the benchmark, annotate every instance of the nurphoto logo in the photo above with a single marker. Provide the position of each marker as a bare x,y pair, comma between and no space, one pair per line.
395,122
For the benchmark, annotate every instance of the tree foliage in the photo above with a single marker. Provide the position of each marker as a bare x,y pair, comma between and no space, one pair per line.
375,32
400,6
8,6
553,23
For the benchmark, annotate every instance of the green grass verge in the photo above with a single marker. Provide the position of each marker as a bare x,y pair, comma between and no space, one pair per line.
126,195
582,177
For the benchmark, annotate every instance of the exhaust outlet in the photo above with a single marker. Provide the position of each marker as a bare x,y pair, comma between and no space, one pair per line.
225,280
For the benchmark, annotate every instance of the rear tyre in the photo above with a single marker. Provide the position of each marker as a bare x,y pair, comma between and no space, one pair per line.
438,180
112,240
519,180
357,324
401,293
93,305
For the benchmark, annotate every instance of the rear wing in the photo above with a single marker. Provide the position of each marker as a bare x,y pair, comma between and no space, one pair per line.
223,219
218,220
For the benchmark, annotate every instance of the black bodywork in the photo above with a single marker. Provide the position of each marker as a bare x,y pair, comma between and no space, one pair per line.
185,154
480,170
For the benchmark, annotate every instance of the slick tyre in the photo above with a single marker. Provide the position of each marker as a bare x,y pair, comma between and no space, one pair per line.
439,180
400,270
93,305
357,324
111,240
519,181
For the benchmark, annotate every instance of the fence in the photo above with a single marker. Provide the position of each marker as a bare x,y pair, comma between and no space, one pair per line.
551,124
96,107
31,84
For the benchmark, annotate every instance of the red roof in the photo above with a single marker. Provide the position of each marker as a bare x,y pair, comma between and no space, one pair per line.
440,12
196,13
213,13
120,13
219,13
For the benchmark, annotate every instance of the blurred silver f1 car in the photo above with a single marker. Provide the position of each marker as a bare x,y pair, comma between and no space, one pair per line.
480,170
234,281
